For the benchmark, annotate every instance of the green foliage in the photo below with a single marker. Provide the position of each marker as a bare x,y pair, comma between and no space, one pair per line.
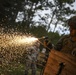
10,8
12,69
8,12
53,37
38,31
66,1
41,31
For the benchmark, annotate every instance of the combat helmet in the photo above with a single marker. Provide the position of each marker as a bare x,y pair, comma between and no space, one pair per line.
72,22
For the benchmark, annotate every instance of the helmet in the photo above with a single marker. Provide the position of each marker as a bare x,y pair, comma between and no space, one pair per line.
45,37
72,22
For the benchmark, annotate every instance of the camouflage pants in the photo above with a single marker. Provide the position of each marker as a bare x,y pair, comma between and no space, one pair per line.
30,66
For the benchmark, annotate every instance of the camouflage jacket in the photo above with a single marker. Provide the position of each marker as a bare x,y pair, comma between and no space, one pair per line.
32,53
66,45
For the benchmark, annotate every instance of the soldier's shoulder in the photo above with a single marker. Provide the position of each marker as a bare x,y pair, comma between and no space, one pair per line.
65,36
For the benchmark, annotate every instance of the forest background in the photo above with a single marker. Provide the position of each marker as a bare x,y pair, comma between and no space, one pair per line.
26,17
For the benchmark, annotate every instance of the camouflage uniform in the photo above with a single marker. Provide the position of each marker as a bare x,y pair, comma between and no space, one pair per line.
31,59
67,43
48,46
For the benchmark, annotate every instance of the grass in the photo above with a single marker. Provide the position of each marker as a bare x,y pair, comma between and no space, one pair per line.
12,69
15,69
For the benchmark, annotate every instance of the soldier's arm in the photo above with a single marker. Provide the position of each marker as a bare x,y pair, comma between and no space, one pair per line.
59,45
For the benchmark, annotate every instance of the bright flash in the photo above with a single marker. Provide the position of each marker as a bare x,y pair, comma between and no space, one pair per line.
27,40
16,40
24,40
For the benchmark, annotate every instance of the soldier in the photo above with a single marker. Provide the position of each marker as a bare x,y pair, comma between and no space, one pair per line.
67,43
48,46
31,59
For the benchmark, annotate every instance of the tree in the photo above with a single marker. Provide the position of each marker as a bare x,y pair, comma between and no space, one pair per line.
58,12
8,12
29,8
